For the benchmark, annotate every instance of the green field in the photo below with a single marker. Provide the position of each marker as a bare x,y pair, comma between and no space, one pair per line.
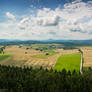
40,56
4,56
86,68
68,62
51,52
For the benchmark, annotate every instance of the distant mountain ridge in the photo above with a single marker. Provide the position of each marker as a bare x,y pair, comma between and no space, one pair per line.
49,40
64,42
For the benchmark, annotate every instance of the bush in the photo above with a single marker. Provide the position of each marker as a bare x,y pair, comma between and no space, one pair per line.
47,53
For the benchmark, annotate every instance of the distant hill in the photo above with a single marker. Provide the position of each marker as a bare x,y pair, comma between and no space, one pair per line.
64,42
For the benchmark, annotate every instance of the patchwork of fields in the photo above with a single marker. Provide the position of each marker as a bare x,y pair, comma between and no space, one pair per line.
30,57
47,58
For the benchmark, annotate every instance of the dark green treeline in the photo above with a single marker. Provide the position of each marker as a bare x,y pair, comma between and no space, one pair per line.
17,79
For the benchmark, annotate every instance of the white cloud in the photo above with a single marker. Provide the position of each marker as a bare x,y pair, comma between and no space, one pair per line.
74,21
10,15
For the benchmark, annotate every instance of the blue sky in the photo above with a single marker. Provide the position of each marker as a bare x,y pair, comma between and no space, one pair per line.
55,19
22,6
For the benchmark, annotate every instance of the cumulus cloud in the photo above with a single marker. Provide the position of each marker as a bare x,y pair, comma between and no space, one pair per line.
74,21
74,17
10,16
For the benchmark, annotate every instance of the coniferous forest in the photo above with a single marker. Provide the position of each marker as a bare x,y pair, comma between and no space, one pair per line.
17,79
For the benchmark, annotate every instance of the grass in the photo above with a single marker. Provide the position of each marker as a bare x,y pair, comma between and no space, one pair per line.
51,52
69,62
40,56
4,56
86,68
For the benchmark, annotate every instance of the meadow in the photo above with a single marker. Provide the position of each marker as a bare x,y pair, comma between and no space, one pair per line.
69,62
4,56
49,52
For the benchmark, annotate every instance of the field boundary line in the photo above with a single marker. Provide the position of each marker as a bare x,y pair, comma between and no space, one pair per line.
81,63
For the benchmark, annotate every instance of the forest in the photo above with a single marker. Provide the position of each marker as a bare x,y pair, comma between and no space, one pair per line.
27,79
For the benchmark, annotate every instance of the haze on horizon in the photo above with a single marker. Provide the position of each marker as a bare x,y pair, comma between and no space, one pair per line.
46,19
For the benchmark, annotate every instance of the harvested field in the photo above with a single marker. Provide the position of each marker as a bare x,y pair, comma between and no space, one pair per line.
21,56
67,51
87,56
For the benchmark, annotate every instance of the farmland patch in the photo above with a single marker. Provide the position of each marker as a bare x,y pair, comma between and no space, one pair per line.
68,62
4,56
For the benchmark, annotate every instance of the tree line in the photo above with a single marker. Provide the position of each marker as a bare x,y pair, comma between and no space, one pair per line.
2,49
27,79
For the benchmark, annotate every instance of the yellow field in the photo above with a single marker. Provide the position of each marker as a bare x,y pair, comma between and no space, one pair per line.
67,51
87,55
19,58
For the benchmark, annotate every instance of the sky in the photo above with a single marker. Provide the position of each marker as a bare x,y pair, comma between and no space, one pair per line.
46,19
